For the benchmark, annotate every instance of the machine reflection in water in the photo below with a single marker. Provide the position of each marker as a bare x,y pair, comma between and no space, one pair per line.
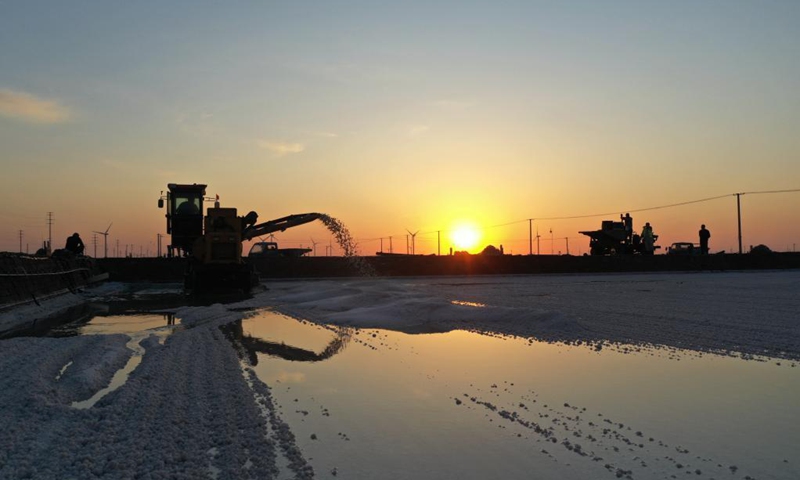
250,346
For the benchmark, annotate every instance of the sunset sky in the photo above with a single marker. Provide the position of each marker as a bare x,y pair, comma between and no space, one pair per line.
417,115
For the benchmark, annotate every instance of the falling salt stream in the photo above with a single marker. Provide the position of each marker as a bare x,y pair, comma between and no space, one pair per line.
348,244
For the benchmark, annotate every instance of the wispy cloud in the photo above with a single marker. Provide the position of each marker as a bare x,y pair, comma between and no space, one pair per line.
26,107
417,130
198,124
281,148
454,104
327,135
115,164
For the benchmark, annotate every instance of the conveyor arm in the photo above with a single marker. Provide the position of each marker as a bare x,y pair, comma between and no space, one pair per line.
278,225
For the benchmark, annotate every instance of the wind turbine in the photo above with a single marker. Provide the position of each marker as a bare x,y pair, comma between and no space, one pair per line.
315,246
105,239
413,241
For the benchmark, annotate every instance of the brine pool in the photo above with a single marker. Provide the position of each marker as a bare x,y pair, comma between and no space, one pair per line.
365,403
382,404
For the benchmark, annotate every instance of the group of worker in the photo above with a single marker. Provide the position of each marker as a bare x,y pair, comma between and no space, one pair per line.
648,237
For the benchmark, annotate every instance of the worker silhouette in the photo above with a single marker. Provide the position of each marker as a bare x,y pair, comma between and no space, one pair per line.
188,207
704,236
648,239
75,244
627,220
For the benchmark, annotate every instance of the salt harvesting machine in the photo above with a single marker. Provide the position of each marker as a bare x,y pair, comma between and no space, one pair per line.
212,243
614,239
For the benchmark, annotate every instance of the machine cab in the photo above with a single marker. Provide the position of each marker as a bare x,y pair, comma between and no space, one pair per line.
184,215
263,249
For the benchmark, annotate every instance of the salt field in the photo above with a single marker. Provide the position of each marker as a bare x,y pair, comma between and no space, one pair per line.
572,376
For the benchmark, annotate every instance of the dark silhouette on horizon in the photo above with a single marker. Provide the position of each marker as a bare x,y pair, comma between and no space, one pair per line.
75,244
704,236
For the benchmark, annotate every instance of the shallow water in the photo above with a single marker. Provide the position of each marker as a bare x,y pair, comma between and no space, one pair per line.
136,326
129,324
461,405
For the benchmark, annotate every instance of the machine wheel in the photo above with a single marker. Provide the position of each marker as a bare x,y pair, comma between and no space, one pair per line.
190,279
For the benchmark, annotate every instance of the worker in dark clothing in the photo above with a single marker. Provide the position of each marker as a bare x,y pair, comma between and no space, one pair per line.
704,236
627,220
75,244
648,239
188,207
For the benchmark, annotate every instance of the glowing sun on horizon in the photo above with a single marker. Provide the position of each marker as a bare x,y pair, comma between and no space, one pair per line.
465,237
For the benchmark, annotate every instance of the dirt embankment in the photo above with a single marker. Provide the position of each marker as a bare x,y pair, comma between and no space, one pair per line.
171,270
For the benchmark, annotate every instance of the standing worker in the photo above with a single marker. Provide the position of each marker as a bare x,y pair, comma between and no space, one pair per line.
627,220
704,236
648,239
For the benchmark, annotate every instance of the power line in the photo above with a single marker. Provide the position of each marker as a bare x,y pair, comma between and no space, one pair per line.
573,217
770,191
690,202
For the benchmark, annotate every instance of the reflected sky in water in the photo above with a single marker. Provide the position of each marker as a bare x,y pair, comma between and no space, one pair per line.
463,405
127,324
136,326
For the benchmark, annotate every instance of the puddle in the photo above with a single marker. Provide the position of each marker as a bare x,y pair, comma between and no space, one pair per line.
133,324
136,326
382,404
287,339
464,303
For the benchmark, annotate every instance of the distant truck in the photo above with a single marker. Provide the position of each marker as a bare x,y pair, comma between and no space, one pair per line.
270,249
683,248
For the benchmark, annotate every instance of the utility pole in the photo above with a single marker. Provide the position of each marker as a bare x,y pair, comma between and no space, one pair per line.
530,236
20,241
739,217
158,242
538,252
567,239
390,245
49,232
381,244
94,243
551,242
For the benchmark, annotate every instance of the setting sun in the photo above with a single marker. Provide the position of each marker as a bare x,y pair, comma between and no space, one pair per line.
465,237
